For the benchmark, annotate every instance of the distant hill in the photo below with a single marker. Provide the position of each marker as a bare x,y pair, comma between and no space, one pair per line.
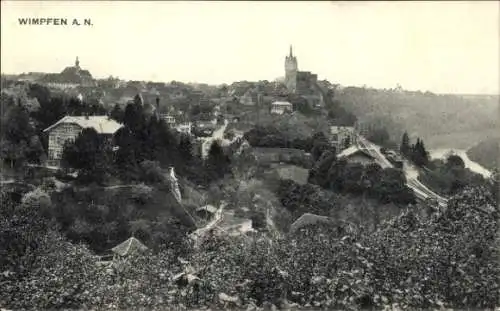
467,118
486,153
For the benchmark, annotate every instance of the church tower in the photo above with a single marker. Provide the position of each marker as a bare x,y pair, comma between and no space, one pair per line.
77,63
291,71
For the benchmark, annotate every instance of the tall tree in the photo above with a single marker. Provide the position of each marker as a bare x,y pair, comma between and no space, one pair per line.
90,154
419,155
217,163
50,112
346,143
320,145
405,145
424,154
134,117
117,114
18,140
126,161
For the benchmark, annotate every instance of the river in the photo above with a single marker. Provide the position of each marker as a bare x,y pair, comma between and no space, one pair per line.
473,166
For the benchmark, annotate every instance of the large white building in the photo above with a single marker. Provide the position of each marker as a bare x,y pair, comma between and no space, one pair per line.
68,128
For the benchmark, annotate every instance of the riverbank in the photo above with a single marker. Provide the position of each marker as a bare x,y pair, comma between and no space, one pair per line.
473,166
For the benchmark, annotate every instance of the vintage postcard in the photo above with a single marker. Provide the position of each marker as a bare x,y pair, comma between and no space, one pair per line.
249,155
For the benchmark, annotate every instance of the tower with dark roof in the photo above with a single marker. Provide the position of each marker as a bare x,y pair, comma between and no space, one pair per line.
291,69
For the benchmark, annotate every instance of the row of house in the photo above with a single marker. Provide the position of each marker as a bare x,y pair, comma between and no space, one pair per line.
69,127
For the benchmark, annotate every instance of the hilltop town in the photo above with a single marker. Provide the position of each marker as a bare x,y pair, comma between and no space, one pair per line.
254,195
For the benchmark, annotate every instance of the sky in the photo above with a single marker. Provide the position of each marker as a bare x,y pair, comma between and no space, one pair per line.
442,47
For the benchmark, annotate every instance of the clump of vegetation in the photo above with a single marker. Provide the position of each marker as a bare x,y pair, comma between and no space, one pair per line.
449,176
449,259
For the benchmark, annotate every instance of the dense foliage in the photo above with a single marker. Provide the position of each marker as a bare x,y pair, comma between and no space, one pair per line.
386,185
19,142
424,113
449,176
486,153
415,152
449,258
427,257
91,154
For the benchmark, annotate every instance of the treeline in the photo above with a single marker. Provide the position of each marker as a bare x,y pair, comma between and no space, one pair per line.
423,112
22,138
143,137
272,137
486,153
386,185
449,176
414,152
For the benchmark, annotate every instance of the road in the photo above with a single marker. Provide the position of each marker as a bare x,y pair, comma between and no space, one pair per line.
411,173
216,135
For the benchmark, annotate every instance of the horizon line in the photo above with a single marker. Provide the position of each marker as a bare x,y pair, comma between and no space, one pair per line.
270,80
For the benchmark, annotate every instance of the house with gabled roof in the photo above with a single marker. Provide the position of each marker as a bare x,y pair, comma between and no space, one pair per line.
355,154
69,127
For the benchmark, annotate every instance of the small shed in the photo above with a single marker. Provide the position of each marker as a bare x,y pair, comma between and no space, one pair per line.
130,246
309,219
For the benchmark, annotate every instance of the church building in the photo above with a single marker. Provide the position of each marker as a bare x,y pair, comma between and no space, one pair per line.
302,83
70,77
291,68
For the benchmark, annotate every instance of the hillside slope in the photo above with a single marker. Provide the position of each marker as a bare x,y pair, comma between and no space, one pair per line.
486,153
430,116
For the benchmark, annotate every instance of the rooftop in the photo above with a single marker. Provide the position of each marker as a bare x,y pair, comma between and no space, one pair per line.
281,103
102,124
353,150
131,245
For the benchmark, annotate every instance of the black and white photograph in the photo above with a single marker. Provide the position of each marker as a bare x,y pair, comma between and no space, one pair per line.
250,155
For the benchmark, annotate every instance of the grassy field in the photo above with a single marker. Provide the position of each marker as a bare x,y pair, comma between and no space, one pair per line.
293,172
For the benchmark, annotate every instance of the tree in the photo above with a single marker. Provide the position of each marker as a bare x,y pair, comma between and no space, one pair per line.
379,136
41,93
76,107
50,112
405,145
319,173
455,161
320,145
90,153
18,140
217,163
134,117
419,155
117,114
392,187
186,148
126,159
346,143
301,105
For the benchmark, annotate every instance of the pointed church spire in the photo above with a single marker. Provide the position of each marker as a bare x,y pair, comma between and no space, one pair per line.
291,54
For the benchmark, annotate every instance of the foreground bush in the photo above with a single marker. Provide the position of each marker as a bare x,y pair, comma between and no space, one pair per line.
449,259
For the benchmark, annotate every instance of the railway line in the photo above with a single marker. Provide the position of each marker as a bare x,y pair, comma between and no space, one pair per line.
420,190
